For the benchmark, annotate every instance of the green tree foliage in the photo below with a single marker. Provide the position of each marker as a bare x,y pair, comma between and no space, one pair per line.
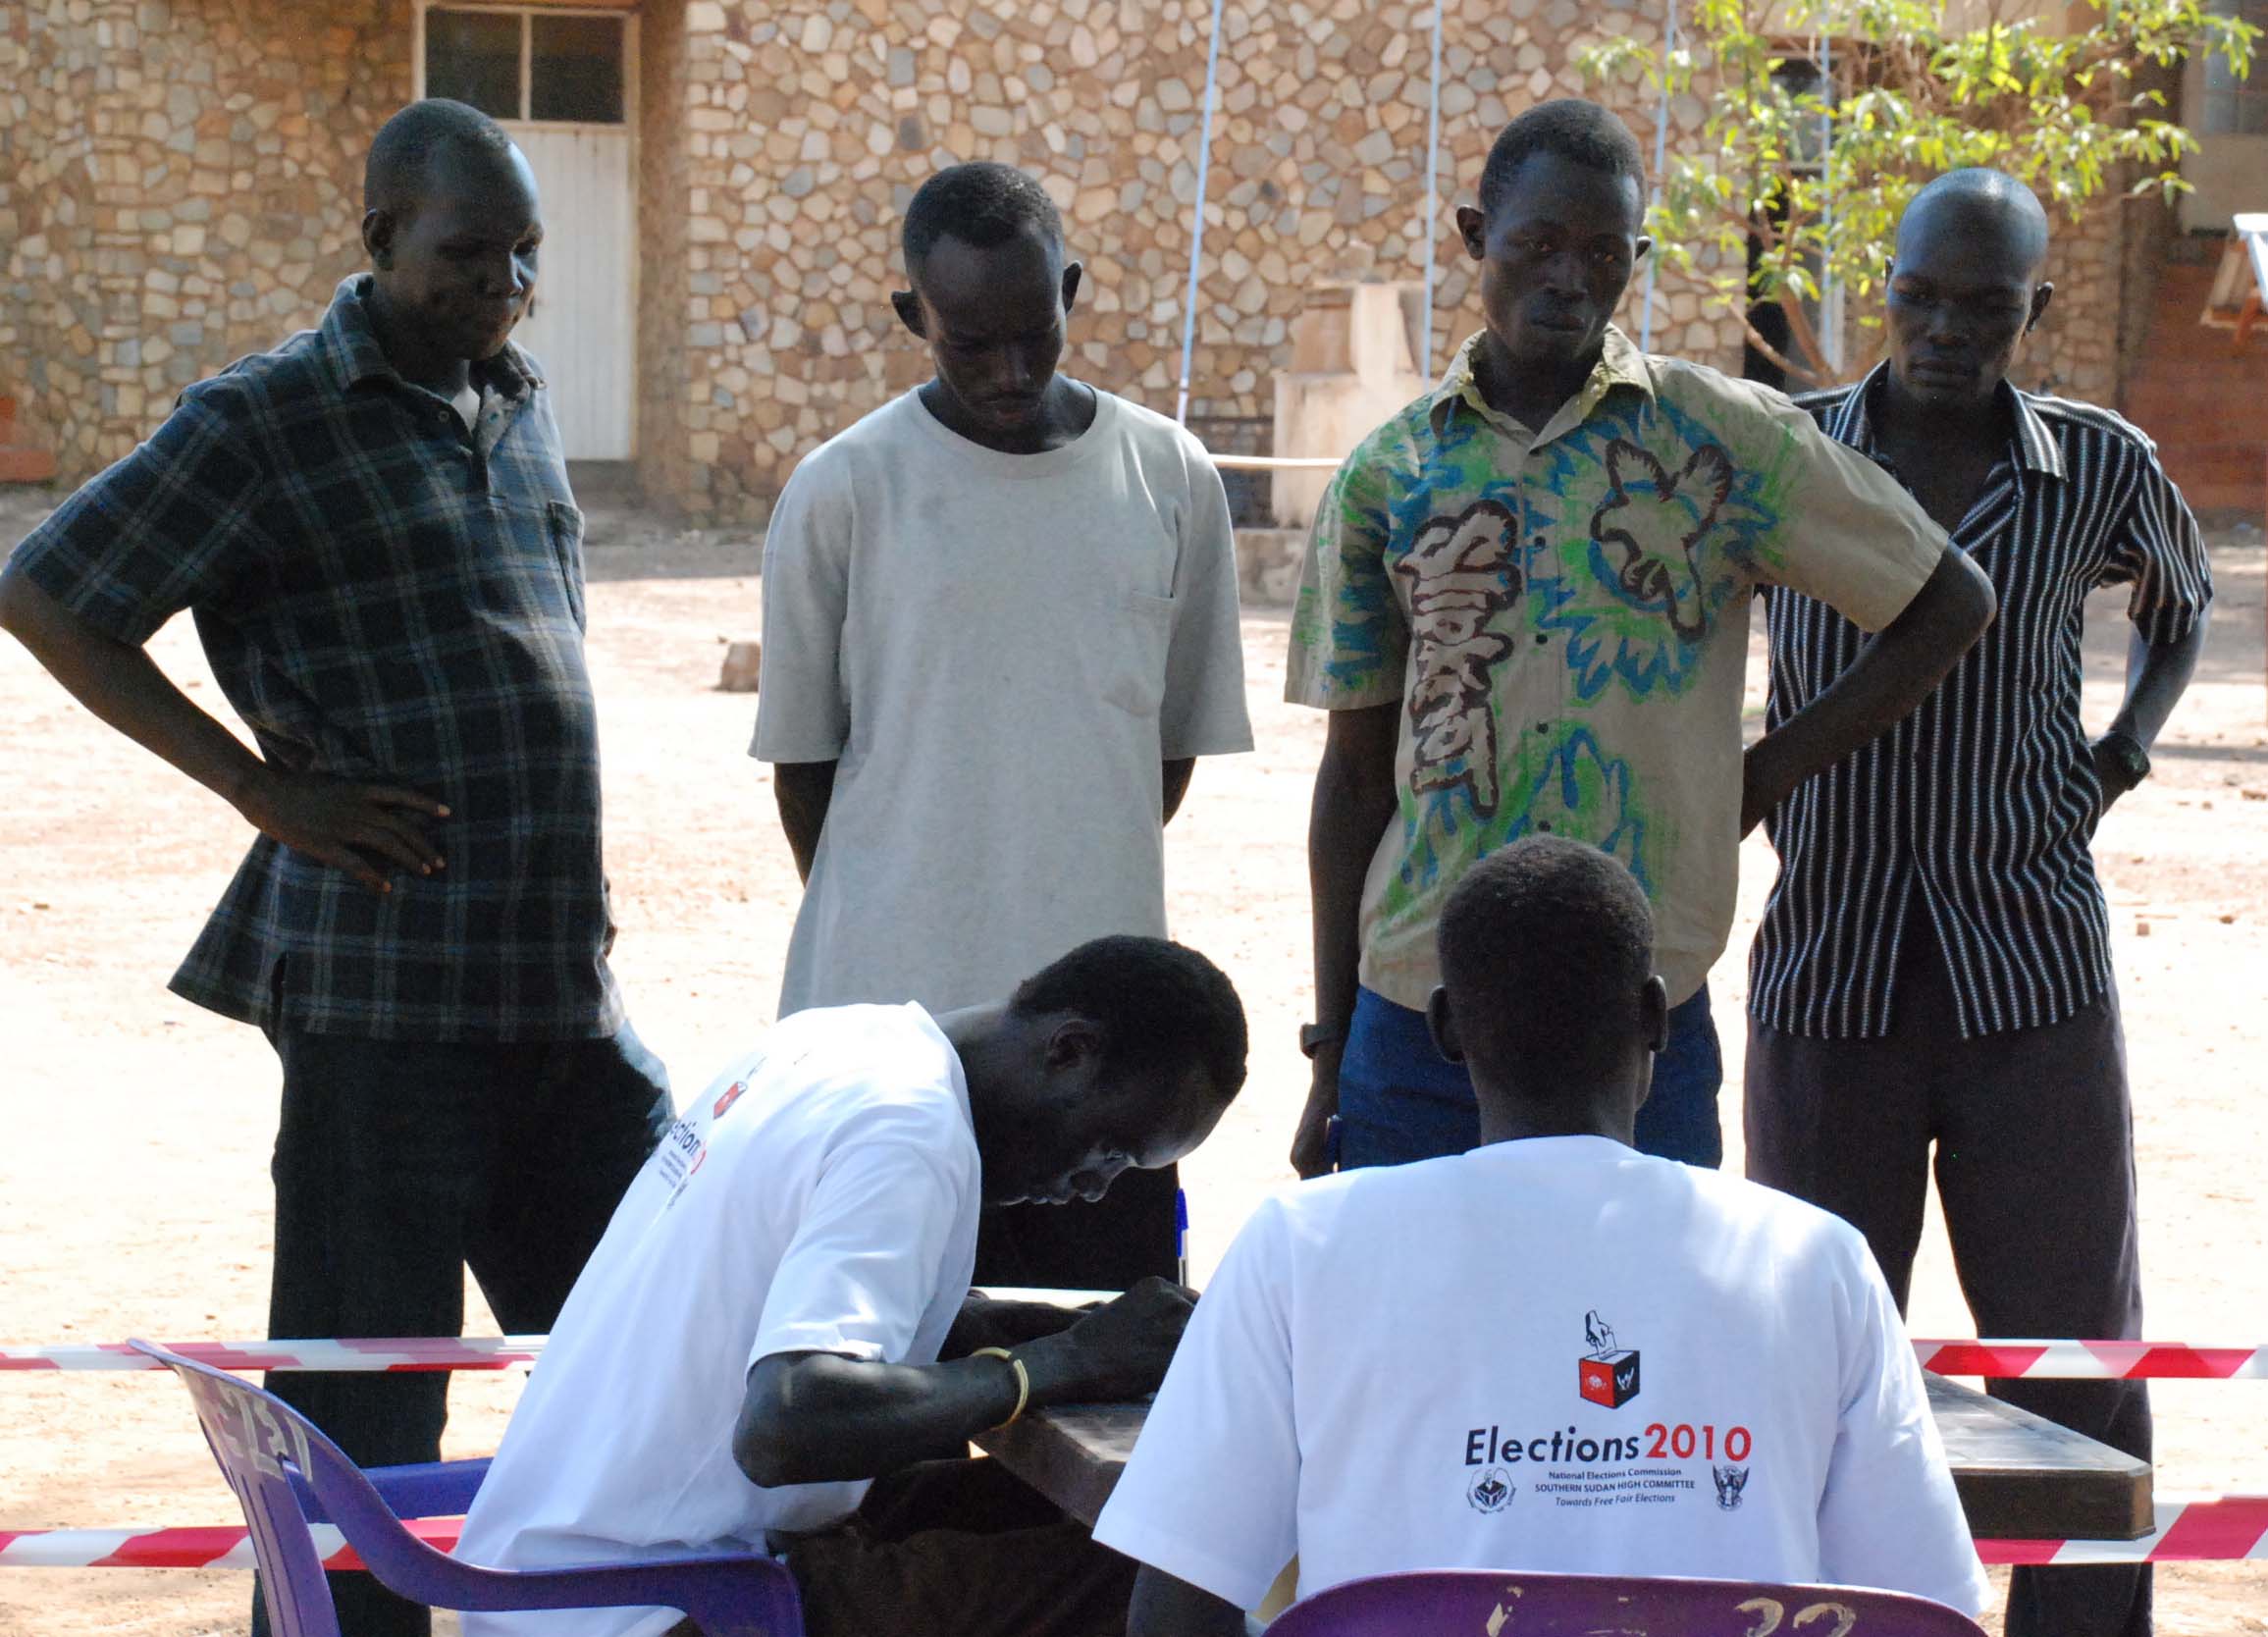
1819,167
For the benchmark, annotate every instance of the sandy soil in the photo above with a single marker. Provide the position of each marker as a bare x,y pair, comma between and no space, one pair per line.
135,1128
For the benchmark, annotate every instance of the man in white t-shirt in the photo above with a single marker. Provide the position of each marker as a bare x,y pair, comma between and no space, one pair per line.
756,1337
1551,1353
999,625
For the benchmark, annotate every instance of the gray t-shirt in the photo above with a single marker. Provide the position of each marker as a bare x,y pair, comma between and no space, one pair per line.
1000,650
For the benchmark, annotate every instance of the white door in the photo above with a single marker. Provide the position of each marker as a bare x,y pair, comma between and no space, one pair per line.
559,80
2228,117
582,326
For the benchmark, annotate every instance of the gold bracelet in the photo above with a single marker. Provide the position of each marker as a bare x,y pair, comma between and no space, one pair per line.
1023,1380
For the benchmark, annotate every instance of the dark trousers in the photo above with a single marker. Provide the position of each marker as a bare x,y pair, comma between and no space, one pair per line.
958,1548
399,1164
1122,1238
2036,1174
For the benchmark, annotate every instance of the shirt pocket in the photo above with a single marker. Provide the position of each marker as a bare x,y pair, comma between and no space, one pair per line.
564,524
1142,632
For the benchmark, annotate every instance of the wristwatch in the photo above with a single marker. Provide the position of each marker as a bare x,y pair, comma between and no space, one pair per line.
1313,1037
2128,756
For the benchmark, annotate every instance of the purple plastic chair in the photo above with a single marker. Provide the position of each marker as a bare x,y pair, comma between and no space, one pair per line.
1481,1602
286,1475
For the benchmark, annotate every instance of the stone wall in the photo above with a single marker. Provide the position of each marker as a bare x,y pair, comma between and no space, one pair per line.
179,184
811,125
661,439
187,181
2074,353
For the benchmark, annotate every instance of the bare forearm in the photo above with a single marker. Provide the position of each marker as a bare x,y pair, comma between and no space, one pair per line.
2157,676
819,1419
1164,1607
1352,805
123,686
985,1323
1175,780
1892,676
804,791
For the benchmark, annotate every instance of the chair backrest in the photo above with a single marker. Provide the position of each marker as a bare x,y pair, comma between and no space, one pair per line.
253,1435
1481,1602
263,1443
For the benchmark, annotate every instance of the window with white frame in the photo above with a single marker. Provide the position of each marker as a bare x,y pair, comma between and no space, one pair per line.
529,65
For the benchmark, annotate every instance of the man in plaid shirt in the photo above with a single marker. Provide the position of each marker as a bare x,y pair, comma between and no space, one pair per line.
373,529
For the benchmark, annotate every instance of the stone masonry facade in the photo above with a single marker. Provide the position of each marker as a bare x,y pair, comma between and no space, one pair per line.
807,132
180,185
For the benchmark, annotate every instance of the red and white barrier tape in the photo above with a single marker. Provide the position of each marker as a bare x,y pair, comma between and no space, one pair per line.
219,1548
2231,1529
2001,1359
2092,1360
392,1354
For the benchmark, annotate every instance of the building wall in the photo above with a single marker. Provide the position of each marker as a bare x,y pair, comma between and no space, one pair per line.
180,185
186,187
809,127
664,460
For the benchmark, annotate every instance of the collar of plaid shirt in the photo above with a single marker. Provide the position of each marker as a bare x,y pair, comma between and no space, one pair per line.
351,354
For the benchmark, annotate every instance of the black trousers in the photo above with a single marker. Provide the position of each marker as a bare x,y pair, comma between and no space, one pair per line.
1118,1240
2036,1174
957,1549
399,1164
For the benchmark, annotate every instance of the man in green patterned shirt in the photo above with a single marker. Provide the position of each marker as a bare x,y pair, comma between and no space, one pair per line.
1525,605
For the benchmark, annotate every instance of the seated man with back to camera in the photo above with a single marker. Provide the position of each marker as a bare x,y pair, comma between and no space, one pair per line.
1552,1352
757,1338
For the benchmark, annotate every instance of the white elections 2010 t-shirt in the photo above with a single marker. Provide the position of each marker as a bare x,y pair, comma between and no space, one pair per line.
820,1196
1554,1354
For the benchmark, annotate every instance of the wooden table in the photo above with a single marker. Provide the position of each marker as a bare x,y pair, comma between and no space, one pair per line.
2019,1477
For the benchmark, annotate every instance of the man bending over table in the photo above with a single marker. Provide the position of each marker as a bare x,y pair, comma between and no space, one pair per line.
1550,1353
757,1338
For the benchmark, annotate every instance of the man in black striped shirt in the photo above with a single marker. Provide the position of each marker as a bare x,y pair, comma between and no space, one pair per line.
1933,963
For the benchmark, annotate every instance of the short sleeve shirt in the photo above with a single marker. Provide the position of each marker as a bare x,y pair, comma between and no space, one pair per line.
1973,817
1704,1377
821,1195
1562,617
999,652
385,595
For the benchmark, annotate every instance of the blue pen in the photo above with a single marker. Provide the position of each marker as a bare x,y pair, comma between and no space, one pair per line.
1182,1231
1332,1131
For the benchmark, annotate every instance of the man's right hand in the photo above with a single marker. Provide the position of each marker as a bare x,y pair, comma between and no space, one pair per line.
360,828
1118,1351
1310,1141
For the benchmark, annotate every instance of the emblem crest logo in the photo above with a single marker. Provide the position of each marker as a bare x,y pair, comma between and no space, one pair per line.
1491,1490
1730,1481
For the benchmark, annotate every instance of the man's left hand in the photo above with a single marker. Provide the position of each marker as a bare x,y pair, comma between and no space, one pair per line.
2110,776
1762,787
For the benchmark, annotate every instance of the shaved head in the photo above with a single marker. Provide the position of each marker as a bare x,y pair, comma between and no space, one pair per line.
1966,287
1982,201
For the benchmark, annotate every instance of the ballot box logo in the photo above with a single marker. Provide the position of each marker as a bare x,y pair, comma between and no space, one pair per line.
1491,1490
1606,1374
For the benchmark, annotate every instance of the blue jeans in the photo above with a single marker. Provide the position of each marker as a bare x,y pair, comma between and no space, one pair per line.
1401,1101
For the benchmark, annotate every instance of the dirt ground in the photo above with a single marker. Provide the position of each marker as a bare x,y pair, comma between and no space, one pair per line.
135,1128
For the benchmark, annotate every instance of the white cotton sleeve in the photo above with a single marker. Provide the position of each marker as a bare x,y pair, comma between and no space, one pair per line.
1211,1493
1889,1517
1203,713
802,710
867,1255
